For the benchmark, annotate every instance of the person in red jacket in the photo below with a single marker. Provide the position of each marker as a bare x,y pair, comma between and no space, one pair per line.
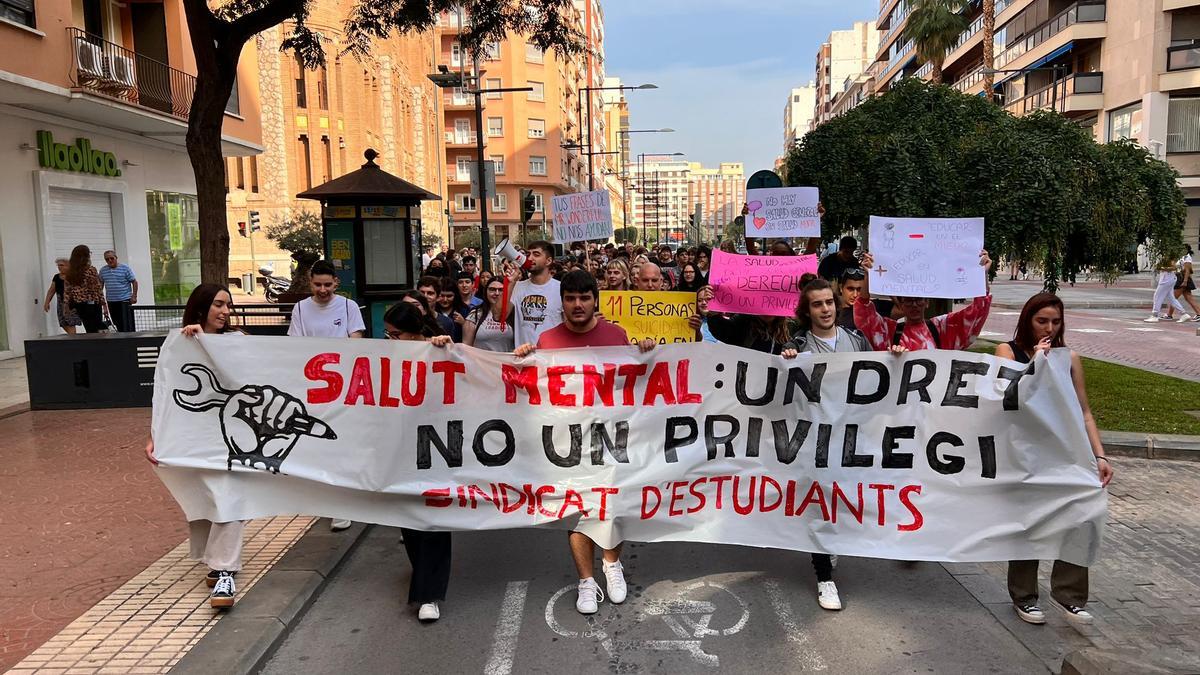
956,330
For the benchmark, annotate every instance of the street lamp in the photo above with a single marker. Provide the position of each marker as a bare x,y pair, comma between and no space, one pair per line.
1055,69
590,144
642,186
445,79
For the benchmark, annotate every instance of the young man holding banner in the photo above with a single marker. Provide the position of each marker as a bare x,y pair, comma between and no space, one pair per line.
581,327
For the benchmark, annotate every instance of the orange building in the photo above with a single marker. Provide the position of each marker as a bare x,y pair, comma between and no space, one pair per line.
317,123
524,132
94,101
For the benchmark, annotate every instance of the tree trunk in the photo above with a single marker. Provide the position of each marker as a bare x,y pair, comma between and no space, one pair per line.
208,164
989,56
935,72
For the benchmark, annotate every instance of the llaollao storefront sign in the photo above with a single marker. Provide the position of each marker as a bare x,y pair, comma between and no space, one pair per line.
81,156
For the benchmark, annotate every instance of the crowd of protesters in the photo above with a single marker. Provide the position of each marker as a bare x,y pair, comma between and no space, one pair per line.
552,301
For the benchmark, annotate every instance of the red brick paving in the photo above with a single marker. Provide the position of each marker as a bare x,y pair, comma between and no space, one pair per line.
82,513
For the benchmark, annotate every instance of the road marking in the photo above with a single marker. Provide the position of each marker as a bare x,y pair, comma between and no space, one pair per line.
1089,330
1008,313
508,629
1147,330
796,636
988,333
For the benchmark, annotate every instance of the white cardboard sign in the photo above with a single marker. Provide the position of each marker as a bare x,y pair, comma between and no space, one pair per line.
581,216
783,212
927,257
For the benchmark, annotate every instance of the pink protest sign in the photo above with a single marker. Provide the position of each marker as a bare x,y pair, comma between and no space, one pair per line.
755,284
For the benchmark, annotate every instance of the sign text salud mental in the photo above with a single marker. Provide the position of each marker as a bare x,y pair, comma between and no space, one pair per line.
922,457
582,216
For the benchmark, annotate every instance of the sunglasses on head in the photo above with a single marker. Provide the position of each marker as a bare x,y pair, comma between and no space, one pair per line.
853,274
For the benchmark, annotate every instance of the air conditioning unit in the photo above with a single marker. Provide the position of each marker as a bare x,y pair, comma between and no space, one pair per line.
89,62
120,71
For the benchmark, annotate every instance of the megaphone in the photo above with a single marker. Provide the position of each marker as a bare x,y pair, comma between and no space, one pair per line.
506,250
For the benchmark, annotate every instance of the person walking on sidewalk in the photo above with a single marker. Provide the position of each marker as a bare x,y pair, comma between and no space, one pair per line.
580,295
1185,283
428,552
1164,292
328,315
83,291
68,320
217,545
1040,328
121,290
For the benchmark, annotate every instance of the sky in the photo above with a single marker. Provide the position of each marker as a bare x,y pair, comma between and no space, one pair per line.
724,69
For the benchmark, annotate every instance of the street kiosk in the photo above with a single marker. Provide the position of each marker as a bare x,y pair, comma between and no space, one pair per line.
371,222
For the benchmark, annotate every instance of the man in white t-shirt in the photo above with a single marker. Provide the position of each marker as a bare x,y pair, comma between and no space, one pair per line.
327,315
536,300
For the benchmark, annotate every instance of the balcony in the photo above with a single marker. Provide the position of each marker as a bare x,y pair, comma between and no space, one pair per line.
1080,92
450,23
969,82
956,50
1183,67
1082,20
110,70
458,139
458,102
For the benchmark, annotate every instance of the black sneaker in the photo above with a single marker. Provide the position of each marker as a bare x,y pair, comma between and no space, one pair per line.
1030,613
211,579
223,591
1077,614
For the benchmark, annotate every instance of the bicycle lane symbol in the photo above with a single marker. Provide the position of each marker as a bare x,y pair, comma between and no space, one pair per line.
689,615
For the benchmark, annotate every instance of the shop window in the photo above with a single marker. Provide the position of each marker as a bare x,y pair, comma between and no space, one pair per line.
174,225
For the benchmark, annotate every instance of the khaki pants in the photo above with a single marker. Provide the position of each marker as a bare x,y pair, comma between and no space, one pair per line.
1068,583
218,545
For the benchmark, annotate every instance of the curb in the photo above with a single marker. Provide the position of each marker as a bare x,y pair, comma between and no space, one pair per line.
1151,446
1097,661
243,640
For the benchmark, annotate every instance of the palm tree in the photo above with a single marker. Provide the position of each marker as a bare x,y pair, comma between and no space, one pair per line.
989,56
934,26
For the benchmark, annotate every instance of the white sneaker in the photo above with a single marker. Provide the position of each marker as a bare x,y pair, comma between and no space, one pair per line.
1183,317
827,595
1153,318
614,576
339,525
1030,613
429,612
1077,614
590,596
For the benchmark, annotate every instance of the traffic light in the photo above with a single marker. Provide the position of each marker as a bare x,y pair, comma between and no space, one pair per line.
242,228
254,226
528,205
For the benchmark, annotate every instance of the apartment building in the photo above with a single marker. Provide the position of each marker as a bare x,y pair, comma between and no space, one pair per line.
1121,69
661,200
798,114
524,132
94,102
720,192
317,124
840,59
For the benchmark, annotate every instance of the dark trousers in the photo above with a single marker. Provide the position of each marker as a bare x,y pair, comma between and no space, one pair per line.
823,566
91,316
429,554
121,312
1068,583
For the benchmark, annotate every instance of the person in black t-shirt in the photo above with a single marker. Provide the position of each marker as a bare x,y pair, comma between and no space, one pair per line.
832,266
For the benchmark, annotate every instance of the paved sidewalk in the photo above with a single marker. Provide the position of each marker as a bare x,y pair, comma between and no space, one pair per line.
14,386
1134,291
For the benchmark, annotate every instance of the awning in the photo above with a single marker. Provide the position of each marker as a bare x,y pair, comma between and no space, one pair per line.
1037,64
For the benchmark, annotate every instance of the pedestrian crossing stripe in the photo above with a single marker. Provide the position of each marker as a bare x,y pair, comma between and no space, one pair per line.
1147,330
1089,330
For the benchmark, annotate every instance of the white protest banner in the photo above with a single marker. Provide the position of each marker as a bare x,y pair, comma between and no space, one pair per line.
927,257
783,212
581,216
930,456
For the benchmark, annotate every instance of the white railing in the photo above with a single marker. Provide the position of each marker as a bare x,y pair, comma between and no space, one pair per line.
969,80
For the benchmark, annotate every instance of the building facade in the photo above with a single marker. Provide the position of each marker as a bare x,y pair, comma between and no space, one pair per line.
94,100
720,193
661,204
798,114
524,132
1120,69
842,57
317,124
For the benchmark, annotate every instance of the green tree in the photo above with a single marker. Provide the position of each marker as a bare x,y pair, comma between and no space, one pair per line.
300,236
1048,192
623,234
220,30
934,26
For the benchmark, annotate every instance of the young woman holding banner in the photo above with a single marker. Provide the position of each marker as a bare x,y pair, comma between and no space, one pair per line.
428,552
1040,328
218,545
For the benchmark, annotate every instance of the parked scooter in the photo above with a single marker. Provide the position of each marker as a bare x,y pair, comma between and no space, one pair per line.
273,286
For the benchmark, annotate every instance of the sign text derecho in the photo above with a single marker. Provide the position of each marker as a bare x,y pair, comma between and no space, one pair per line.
921,457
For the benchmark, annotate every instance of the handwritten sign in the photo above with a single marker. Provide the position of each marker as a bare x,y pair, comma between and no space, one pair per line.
582,216
755,284
783,212
659,315
927,257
